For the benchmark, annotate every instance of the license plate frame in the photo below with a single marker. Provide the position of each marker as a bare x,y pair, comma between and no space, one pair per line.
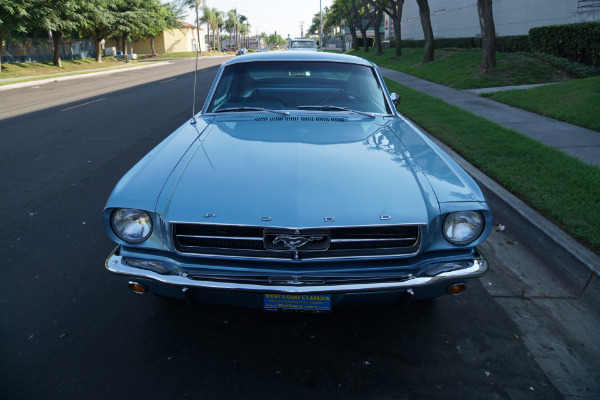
297,302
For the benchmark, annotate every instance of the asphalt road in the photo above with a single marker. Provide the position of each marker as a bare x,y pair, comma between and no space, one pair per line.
71,330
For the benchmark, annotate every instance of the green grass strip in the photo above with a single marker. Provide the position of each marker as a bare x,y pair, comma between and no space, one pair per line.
576,102
460,69
562,188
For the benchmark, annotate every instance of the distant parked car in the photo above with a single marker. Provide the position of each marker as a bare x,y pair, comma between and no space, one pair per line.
242,51
263,50
297,187
303,45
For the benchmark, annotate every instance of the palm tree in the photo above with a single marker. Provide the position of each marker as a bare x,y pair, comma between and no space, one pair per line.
217,24
195,4
244,27
207,17
233,22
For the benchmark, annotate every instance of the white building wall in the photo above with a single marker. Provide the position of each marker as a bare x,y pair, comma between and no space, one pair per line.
458,18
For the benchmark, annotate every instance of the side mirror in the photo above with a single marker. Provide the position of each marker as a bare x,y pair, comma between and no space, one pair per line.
395,98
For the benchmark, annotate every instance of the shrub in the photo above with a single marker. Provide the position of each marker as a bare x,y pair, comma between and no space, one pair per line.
572,67
370,42
576,42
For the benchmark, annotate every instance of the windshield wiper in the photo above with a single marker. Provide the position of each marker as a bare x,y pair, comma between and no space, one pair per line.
335,108
244,109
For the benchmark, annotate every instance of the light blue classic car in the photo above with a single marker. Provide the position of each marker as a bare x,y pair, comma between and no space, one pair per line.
297,187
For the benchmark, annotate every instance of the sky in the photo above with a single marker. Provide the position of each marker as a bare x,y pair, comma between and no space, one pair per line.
270,16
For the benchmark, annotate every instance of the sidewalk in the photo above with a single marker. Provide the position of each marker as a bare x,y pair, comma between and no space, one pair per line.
577,267
573,140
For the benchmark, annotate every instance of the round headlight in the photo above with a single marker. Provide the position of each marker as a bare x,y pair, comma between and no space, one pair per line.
131,225
463,227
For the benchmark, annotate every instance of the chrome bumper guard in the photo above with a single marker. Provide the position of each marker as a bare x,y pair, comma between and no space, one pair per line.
115,264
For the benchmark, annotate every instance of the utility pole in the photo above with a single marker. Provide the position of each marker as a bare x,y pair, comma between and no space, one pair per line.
301,29
320,26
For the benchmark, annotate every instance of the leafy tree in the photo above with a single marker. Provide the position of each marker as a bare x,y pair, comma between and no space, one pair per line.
393,8
374,10
276,40
13,18
135,18
333,21
488,34
162,17
342,10
99,18
359,17
57,16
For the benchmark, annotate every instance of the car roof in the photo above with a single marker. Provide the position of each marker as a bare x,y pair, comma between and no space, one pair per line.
299,56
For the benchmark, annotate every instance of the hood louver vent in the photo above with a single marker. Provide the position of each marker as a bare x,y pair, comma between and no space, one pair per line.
302,119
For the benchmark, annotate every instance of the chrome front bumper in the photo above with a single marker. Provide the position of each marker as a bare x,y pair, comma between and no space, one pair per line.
477,267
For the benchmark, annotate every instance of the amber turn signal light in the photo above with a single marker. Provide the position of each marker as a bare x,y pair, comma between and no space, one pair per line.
456,289
137,288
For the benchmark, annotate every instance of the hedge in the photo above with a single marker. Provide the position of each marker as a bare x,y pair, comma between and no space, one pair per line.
505,44
577,42
370,42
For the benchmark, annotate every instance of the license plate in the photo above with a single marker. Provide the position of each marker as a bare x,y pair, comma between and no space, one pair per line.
299,302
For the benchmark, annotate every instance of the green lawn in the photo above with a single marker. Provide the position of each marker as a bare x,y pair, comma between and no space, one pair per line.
576,102
564,189
34,69
459,68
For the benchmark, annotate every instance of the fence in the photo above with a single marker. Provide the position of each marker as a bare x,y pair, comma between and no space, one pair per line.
22,50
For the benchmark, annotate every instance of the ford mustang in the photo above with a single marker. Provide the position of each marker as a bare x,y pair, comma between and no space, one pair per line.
298,186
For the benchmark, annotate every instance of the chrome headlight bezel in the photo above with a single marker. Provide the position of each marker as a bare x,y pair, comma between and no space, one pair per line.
131,225
463,227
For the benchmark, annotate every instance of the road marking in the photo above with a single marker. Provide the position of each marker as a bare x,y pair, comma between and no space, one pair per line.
169,80
81,105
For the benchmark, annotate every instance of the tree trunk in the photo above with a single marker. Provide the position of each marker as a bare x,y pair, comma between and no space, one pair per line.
488,34
56,39
365,40
1,49
354,37
375,23
398,29
152,46
378,50
97,45
394,10
424,13
124,40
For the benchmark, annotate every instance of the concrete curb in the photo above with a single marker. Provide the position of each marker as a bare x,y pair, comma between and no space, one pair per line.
575,265
78,76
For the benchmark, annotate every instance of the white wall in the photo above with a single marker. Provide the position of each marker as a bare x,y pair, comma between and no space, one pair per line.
458,18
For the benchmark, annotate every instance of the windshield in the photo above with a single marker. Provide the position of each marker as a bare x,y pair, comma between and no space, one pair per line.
287,85
303,44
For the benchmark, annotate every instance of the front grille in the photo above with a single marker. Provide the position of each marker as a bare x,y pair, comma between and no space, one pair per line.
249,241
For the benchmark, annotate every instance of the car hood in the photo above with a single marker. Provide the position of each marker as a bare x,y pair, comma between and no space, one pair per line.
294,172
